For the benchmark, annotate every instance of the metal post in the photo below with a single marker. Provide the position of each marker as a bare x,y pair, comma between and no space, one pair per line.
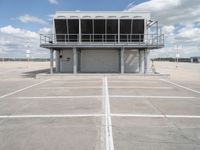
74,60
79,31
122,59
118,30
58,61
51,61
146,61
141,61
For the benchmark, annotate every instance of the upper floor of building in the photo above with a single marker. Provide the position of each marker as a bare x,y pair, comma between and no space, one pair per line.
103,29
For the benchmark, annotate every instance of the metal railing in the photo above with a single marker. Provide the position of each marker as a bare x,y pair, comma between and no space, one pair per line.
137,39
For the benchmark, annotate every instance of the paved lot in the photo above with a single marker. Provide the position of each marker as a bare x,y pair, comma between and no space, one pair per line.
99,113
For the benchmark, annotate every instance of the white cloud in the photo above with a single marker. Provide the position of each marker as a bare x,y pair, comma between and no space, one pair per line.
180,19
171,11
31,19
53,1
45,30
15,42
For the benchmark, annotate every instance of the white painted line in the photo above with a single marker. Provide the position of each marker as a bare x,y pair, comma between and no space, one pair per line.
150,96
156,116
138,115
69,87
99,115
109,135
138,87
59,97
178,85
20,90
64,81
51,116
135,81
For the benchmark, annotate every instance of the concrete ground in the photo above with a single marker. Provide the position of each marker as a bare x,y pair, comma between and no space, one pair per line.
99,112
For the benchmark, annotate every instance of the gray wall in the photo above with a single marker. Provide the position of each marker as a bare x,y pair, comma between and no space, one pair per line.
99,61
131,61
66,62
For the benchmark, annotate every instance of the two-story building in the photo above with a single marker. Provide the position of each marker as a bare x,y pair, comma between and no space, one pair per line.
102,42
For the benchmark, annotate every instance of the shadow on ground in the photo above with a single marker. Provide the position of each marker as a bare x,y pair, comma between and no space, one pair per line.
32,74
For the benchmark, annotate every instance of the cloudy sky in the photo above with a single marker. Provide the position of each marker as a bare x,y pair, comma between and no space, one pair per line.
23,20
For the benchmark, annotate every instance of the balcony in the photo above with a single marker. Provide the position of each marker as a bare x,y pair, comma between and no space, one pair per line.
57,41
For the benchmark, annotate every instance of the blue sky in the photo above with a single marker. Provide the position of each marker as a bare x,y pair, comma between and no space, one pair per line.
25,19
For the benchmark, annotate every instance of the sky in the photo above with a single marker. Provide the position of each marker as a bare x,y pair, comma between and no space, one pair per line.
21,22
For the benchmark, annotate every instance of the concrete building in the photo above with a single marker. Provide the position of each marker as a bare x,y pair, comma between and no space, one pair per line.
195,59
102,42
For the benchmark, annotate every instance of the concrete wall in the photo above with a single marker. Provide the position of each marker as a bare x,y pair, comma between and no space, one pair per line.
99,61
131,61
66,62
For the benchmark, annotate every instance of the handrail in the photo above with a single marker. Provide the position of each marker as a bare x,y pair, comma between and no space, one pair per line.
140,39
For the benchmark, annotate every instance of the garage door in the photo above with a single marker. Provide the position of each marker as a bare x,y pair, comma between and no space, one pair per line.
131,58
99,61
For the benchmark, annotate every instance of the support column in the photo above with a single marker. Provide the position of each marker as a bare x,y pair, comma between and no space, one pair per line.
74,60
141,61
146,61
51,61
58,61
122,60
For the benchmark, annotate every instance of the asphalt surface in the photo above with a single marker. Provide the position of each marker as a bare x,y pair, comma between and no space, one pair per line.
98,113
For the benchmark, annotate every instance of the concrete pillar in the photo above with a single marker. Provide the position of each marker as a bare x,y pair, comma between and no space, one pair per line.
146,61
58,61
51,61
74,60
141,61
122,60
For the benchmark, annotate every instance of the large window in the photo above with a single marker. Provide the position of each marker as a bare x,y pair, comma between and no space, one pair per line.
73,28
87,30
112,30
61,29
99,30
137,30
125,30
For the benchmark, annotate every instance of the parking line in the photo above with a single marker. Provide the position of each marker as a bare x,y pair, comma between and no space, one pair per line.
150,96
20,90
51,116
109,135
99,115
139,87
70,87
59,97
183,87
156,116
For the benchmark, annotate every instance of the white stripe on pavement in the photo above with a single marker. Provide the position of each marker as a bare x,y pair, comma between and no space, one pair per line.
51,116
150,96
20,90
178,85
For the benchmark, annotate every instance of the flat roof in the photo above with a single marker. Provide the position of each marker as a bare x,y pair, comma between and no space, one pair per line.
102,14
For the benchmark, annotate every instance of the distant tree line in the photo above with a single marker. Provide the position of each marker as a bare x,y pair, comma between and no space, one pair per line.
170,59
25,59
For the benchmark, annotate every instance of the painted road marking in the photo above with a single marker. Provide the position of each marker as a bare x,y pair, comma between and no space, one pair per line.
183,87
150,96
109,135
51,116
59,97
70,87
139,87
156,116
20,90
99,115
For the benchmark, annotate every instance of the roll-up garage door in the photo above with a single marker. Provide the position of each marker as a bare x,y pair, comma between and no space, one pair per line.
131,58
99,61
